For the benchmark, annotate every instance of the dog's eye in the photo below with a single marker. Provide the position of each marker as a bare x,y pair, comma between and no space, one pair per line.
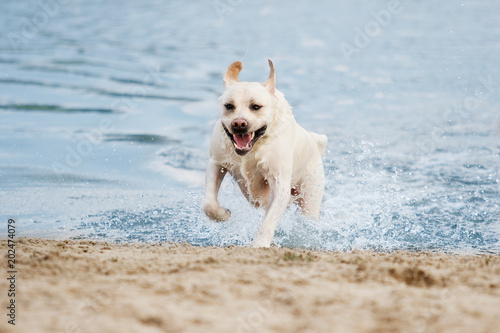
255,107
229,106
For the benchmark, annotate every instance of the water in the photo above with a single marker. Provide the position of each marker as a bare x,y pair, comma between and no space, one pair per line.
107,107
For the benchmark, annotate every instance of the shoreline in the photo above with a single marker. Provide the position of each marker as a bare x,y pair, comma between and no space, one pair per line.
94,286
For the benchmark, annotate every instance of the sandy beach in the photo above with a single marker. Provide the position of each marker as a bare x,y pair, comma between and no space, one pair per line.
87,286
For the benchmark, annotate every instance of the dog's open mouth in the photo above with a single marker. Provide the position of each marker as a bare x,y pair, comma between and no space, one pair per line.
243,142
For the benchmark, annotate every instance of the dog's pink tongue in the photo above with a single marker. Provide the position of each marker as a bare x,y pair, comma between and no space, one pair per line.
242,140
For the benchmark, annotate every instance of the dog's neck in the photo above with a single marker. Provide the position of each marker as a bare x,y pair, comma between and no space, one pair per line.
283,111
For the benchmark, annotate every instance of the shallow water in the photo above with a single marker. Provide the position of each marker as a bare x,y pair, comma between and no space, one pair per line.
106,111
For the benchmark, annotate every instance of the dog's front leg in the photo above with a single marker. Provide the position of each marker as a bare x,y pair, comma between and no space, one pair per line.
211,207
279,197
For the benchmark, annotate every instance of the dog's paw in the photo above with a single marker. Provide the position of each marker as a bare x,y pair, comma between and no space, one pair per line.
217,213
260,242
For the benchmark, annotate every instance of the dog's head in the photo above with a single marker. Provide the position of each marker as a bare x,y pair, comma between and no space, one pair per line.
247,108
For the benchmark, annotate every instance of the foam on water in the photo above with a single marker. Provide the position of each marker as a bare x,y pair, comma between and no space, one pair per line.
105,121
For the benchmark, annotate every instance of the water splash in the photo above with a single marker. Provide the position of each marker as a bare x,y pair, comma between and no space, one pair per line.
371,202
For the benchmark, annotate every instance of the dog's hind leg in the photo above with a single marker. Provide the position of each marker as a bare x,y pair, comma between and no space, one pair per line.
211,207
312,192
279,197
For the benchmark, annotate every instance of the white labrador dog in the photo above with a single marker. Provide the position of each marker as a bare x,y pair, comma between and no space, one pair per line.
272,158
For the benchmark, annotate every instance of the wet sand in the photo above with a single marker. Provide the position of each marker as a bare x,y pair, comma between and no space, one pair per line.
86,286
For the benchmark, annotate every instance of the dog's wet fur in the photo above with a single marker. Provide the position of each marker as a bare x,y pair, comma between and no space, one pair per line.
272,158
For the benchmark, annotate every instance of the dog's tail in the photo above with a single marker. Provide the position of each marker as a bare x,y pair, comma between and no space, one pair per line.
321,141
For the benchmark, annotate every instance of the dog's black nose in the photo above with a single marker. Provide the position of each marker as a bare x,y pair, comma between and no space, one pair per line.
239,125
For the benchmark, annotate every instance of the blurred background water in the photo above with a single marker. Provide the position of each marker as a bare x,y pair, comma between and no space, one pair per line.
106,108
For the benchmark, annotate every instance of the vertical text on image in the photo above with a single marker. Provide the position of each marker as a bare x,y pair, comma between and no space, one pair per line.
11,271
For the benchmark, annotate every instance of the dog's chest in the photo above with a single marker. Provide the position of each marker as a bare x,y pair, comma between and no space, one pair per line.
252,181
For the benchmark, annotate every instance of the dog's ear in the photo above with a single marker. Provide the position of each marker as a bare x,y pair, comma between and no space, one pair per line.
270,84
232,72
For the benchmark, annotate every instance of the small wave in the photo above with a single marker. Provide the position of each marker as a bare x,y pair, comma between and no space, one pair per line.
52,108
141,138
104,92
184,157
